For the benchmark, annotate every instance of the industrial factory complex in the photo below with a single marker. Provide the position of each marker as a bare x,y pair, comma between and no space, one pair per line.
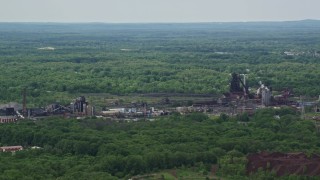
239,99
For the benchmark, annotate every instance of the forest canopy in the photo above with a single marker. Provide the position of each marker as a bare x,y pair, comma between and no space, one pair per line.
56,61
72,149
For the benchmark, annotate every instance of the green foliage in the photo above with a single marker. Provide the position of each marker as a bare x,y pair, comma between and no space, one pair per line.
232,166
122,59
223,117
263,175
197,117
244,117
77,148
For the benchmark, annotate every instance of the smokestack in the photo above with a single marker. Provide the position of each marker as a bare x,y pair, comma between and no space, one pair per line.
24,101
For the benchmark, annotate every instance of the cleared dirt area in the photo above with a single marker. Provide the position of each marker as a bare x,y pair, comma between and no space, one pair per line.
284,164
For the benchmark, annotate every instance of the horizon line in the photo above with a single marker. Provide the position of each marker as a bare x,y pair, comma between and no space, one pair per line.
154,22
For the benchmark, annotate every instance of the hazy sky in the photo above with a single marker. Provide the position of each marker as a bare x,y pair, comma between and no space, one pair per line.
157,10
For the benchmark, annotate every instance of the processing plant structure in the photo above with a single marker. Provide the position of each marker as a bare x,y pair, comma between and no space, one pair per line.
239,99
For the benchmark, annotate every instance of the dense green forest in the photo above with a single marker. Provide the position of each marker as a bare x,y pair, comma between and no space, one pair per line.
57,62
152,58
95,148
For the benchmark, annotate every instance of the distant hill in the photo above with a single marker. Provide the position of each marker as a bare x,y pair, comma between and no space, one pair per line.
82,27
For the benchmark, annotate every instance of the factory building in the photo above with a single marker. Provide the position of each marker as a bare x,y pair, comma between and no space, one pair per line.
80,106
8,119
11,148
8,115
266,96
